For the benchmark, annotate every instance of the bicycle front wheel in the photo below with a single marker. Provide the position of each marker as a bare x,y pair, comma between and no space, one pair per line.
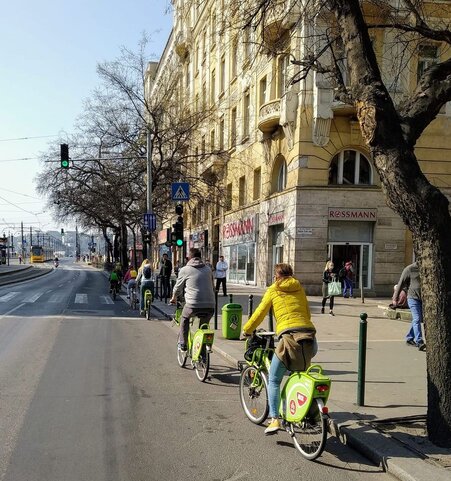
254,394
114,294
202,365
181,355
310,435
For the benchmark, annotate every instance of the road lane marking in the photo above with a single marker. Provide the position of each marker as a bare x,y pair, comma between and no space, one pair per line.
81,298
8,297
12,310
34,297
106,300
55,298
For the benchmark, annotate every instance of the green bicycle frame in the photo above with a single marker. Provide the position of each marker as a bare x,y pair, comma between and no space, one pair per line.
203,336
300,390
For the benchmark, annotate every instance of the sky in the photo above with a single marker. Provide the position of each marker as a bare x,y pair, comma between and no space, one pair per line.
49,50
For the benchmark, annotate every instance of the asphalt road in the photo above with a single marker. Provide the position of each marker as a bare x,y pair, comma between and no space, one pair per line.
89,391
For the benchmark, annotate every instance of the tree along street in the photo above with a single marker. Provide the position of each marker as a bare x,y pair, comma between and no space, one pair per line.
91,391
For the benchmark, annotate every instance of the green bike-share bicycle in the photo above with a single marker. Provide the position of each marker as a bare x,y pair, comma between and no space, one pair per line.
199,347
303,398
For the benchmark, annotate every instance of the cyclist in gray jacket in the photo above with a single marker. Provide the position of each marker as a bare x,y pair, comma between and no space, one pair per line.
195,284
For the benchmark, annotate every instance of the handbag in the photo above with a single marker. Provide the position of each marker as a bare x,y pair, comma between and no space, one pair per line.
334,288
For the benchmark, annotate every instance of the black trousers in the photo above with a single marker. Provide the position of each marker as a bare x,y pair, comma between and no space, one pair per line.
223,281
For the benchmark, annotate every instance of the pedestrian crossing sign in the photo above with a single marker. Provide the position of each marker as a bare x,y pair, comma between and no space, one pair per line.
180,191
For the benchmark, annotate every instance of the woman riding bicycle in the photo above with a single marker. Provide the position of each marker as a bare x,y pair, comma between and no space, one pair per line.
294,329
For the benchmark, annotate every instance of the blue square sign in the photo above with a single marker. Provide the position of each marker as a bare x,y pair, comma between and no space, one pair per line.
180,191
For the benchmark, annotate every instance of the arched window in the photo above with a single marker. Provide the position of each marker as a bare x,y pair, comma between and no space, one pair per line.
350,167
279,175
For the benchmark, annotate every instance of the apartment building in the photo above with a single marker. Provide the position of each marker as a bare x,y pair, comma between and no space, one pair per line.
299,185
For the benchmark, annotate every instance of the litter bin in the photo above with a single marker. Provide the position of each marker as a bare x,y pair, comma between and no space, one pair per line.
231,320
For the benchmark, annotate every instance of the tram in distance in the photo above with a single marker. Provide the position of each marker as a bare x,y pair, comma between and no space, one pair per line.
40,254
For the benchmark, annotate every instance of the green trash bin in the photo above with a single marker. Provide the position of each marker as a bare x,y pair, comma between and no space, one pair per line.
231,320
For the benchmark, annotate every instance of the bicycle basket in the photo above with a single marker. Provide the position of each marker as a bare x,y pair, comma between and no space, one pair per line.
253,343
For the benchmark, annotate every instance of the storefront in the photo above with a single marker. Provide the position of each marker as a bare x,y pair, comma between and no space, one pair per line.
238,249
350,237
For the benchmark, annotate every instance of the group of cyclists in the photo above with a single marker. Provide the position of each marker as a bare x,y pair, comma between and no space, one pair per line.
286,296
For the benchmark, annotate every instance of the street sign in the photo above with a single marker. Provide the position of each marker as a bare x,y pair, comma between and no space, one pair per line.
180,191
150,221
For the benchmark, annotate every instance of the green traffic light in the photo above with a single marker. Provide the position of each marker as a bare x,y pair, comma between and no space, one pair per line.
65,164
179,242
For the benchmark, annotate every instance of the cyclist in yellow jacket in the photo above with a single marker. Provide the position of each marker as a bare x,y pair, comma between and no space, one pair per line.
293,327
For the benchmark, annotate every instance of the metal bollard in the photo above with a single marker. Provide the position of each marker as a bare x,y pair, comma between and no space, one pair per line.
216,310
230,298
157,287
362,360
250,308
271,321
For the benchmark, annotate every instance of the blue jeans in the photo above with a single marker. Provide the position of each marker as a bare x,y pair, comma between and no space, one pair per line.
347,286
416,308
276,372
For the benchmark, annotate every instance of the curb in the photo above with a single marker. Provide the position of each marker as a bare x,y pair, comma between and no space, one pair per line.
35,275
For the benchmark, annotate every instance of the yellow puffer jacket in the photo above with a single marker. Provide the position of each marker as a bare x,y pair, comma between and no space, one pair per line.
291,309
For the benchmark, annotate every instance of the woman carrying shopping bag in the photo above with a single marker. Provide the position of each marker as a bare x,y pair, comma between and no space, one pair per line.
331,287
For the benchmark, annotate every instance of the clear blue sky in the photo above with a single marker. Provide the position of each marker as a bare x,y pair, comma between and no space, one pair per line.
49,50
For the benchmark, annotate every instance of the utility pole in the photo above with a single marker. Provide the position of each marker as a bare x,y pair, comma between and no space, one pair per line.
21,248
149,189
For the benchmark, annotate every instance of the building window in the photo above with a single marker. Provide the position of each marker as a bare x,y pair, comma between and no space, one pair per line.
283,66
279,174
242,191
204,95
234,59
246,114
212,140
247,48
204,43
213,88
221,134
427,56
350,167
228,205
213,30
222,75
257,183
203,145
233,120
263,88
196,60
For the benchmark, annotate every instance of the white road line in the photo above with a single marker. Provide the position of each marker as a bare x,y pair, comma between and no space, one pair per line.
8,297
12,310
34,298
81,298
106,300
55,298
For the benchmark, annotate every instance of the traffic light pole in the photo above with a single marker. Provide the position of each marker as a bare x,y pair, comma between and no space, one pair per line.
149,188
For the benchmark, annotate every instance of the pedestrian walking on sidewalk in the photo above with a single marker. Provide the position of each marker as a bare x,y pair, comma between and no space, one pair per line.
294,328
348,280
165,274
410,278
329,275
221,275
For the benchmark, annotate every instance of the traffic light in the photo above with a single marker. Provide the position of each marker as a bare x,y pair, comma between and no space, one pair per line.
177,234
64,149
62,231
179,209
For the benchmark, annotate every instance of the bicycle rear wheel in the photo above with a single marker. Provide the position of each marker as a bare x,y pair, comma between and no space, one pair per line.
114,293
148,311
310,435
202,365
181,355
254,394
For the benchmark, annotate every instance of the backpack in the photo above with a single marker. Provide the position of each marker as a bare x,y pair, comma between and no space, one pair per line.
342,273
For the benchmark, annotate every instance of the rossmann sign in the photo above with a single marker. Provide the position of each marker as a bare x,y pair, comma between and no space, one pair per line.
239,231
352,214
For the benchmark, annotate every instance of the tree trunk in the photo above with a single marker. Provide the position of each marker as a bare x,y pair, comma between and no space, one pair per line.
124,247
425,210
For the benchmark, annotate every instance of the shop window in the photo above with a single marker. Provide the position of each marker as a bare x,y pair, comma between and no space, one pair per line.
279,176
350,167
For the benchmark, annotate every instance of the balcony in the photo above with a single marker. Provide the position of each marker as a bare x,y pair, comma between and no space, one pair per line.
213,164
269,116
183,41
280,17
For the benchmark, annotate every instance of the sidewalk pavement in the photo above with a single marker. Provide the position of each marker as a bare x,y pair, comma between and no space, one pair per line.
390,427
